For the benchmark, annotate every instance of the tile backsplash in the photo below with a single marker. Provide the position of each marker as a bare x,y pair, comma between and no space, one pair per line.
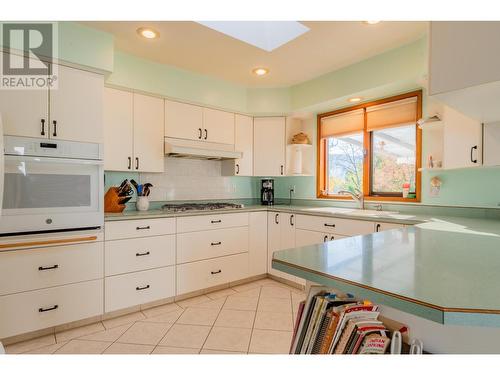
191,179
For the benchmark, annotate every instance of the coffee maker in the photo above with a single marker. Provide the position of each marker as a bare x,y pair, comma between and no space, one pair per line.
267,192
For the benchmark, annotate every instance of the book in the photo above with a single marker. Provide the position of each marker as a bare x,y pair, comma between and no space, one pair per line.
306,316
356,311
375,344
297,322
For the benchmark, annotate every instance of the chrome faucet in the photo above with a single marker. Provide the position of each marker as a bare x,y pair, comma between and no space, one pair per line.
359,197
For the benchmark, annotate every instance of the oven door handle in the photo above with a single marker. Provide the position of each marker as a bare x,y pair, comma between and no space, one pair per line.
59,241
51,159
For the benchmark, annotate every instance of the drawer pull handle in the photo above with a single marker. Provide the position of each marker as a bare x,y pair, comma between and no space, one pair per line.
41,309
141,228
332,238
377,228
142,287
216,221
216,272
41,268
142,254
325,238
330,225
216,243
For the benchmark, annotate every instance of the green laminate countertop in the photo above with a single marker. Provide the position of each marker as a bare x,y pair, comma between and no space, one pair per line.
355,214
445,270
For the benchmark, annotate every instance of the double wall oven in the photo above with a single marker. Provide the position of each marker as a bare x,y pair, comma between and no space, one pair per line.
51,186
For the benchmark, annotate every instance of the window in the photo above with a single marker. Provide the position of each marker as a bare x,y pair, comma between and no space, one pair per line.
373,149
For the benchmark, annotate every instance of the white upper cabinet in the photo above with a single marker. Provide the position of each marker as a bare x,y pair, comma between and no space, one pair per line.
462,140
118,129
463,67
76,106
19,121
133,132
148,133
492,144
269,146
243,142
75,112
218,126
184,121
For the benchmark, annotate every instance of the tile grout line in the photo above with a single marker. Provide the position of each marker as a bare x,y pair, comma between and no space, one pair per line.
168,330
254,319
212,327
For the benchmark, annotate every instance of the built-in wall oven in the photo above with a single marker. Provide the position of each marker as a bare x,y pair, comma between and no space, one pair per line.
51,186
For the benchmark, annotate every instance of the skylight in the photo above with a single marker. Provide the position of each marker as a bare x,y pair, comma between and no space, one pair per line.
266,35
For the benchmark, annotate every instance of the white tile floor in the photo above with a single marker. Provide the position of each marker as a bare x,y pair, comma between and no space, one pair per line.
256,317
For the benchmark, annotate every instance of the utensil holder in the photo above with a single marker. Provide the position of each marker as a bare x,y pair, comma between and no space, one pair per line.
142,203
111,200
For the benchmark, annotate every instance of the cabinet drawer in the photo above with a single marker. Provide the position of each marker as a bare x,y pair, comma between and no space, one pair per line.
138,288
138,254
206,222
334,225
31,269
117,230
207,273
20,313
211,243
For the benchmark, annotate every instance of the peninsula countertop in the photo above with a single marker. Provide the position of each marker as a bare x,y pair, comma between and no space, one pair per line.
440,270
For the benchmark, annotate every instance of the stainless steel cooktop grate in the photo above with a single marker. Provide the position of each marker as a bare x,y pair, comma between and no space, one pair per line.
200,206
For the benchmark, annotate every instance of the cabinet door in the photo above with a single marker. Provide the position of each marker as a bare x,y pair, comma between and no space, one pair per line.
183,121
19,121
462,140
76,106
309,237
269,146
278,227
118,130
148,133
492,144
257,250
287,230
218,126
243,142
380,227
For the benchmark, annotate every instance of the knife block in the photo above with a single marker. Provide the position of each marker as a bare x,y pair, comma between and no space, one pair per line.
111,200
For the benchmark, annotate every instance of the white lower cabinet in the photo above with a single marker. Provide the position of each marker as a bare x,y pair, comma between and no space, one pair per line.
257,246
211,272
345,227
280,235
138,288
379,227
308,237
30,269
207,244
34,310
131,255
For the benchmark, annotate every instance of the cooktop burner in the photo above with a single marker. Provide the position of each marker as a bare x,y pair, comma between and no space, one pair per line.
200,206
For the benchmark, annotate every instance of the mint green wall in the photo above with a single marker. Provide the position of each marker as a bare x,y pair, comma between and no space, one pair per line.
140,74
268,101
86,46
395,70
465,187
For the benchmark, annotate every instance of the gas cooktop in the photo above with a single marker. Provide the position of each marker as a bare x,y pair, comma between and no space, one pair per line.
200,207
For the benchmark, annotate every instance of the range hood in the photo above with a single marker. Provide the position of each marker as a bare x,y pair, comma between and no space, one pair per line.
180,148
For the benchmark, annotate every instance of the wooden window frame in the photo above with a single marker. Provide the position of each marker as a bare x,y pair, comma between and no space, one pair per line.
367,144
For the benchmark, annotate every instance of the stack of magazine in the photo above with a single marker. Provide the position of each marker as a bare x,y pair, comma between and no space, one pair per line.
329,322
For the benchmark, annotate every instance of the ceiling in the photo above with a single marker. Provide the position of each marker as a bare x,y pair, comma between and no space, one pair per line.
328,46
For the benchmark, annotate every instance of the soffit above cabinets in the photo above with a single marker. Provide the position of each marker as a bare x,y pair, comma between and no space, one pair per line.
327,46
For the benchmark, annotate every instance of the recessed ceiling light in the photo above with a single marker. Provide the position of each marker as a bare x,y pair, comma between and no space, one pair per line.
355,99
260,71
148,33
371,22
